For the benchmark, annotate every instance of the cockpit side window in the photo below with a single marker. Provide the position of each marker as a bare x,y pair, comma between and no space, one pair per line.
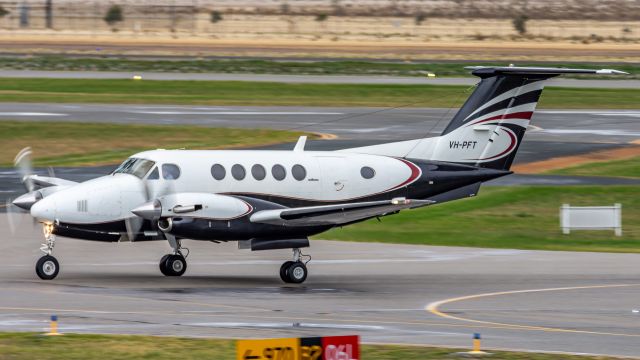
136,167
154,175
170,171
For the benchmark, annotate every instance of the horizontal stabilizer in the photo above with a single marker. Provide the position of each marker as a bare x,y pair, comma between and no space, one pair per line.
459,193
485,71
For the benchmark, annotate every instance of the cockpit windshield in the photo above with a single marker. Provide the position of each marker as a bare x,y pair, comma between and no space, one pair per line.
133,166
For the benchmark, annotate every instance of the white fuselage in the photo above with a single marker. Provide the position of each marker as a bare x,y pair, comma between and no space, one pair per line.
321,177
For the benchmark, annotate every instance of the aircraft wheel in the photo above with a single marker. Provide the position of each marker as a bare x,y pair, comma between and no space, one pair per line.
163,265
283,271
175,265
47,267
297,272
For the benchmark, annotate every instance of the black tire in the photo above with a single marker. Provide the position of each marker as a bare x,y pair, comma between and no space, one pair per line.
283,271
47,267
163,265
175,265
297,273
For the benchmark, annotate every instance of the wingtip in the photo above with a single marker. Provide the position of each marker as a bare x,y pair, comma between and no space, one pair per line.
611,72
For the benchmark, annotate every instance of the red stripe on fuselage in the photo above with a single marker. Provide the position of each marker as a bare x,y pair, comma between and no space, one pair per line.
415,174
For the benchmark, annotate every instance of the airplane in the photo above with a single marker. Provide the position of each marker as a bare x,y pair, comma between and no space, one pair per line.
266,199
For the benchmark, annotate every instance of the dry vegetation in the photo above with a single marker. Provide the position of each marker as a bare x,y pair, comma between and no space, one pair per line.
349,24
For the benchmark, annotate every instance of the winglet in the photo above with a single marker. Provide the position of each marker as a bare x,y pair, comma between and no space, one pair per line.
302,141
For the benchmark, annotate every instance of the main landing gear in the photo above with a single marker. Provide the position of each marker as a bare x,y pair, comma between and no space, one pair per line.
295,272
174,264
47,267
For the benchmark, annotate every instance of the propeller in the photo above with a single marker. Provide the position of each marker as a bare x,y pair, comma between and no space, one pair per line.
22,162
14,208
11,218
150,210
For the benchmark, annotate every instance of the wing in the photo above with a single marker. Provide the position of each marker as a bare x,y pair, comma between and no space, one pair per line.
338,214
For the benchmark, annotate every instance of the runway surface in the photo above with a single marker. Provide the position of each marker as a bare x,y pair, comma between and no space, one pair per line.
549,301
316,79
352,123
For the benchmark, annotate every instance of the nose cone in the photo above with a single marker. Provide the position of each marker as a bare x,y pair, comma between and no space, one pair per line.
27,200
44,209
150,210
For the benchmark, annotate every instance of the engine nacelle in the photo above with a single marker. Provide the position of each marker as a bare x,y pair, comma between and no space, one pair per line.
203,205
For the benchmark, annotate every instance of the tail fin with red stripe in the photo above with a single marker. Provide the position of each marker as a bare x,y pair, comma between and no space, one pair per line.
489,127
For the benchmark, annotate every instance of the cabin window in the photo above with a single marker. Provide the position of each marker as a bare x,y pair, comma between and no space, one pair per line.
367,172
258,172
170,171
218,172
278,171
238,172
298,172
155,174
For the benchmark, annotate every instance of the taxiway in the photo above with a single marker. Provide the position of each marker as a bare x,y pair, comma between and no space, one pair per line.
526,300
310,79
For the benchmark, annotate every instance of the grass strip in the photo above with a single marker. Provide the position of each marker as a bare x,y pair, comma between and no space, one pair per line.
74,144
270,94
345,67
514,217
22,346
621,168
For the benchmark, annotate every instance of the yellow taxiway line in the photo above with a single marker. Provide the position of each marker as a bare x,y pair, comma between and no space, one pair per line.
434,309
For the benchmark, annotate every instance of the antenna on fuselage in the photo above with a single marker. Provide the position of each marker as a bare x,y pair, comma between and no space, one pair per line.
302,141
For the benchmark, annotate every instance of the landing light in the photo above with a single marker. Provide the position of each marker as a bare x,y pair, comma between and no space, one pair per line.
400,201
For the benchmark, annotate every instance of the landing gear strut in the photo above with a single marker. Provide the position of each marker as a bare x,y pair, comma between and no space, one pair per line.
295,272
47,267
174,264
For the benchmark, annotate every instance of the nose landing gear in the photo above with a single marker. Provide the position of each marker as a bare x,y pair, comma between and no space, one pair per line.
47,267
295,272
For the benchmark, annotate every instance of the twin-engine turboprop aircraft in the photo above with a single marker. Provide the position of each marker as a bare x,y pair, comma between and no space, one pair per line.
277,199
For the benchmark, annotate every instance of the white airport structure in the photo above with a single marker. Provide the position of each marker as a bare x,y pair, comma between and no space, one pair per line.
591,218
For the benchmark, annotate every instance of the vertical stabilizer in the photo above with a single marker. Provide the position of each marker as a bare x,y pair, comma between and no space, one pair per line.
488,129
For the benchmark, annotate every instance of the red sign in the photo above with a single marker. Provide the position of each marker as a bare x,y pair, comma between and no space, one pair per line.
340,348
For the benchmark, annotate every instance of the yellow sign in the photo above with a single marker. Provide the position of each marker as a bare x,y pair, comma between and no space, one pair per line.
307,348
270,349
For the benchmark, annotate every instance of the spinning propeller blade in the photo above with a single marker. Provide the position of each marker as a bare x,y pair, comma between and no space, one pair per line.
22,163
133,225
151,209
10,219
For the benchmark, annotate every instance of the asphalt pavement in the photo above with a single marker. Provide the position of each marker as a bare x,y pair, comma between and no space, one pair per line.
387,293
348,123
314,79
